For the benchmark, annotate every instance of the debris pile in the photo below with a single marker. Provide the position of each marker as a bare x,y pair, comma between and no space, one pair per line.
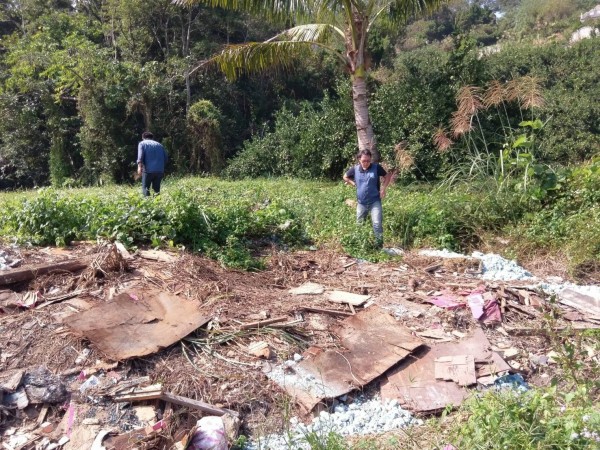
107,349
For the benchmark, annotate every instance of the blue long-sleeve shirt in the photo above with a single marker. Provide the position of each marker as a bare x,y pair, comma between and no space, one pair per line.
152,155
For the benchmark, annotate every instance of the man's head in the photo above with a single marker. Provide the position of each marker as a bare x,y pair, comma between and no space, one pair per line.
147,135
364,159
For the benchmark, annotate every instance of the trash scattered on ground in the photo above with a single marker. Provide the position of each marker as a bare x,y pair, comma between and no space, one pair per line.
512,381
209,434
348,297
373,343
101,347
415,384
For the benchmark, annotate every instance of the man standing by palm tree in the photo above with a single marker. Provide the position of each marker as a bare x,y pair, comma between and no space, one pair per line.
370,190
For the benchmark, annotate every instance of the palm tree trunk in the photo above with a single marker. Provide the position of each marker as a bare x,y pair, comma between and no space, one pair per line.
364,129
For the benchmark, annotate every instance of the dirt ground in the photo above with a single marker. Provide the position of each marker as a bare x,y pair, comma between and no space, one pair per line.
213,364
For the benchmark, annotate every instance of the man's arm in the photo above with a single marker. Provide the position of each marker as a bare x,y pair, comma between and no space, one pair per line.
349,177
140,158
385,182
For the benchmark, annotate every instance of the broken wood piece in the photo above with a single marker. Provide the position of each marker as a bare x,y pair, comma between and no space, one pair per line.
152,392
350,264
348,297
263,323
196,404
42,415
413,382
59,298
458,368
437,334
260,350
11,379
157,255
308,288
584,303
432,268
140,438
29,273
123,251
126,385
373,341
527,310
325,311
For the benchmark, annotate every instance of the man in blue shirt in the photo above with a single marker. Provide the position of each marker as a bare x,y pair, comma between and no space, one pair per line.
152,159
366,176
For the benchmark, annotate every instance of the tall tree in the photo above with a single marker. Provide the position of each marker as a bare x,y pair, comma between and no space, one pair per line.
340,27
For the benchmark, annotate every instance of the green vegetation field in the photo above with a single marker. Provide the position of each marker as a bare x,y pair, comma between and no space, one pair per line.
229,220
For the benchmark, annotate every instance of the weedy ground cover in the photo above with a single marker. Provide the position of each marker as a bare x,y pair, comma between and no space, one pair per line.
230,220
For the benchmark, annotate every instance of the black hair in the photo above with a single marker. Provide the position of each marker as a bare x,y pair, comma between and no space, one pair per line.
147,135
364,152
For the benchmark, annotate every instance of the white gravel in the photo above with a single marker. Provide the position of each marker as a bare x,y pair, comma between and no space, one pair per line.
291,374
362,417
495,267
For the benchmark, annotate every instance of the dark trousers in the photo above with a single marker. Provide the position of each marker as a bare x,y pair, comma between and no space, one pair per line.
153,179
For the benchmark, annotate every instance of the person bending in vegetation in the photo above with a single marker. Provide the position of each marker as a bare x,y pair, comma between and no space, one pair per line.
370,190
152,159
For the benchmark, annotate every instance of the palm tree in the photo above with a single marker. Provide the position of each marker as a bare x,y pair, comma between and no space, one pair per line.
340,27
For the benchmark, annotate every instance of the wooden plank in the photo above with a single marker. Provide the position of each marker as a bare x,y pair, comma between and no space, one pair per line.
140,394
528,310
196,404
30,273
263,323
332,312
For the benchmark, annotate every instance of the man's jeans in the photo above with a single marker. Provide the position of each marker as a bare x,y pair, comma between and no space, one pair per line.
376,217
153,179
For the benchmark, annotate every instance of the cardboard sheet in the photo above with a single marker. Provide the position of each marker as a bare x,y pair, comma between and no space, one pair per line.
137,323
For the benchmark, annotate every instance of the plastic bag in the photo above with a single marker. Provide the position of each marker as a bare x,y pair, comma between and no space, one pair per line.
209,435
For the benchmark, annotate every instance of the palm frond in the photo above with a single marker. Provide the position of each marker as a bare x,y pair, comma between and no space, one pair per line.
271,9
314,32
400,11
253,57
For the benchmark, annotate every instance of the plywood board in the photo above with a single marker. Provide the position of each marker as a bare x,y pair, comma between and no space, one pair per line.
413,382
137,323
585,303
373,341
458,368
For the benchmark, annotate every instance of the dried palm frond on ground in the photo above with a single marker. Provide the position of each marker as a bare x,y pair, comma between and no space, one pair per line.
107,260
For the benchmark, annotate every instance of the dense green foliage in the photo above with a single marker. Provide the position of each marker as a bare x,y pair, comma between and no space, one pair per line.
420,95
80,81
